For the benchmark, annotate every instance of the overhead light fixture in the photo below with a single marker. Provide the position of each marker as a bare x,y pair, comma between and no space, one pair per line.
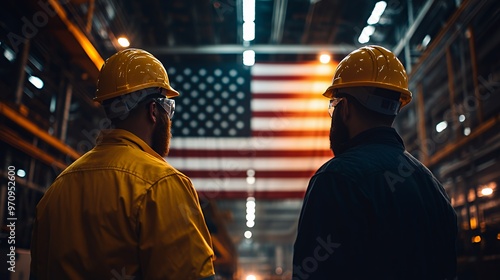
248,234
374,18
467,131
248,10
324,58
250,216
248,20
426,41
363,38
10,55
248,31
366,33
487,191
377,12
476,239
123,41
37,82
21,173
441,126
249,60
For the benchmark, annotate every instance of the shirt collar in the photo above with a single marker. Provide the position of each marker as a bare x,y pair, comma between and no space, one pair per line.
125,137
377,135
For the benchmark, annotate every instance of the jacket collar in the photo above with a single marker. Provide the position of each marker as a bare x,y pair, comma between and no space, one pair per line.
124,137
377,135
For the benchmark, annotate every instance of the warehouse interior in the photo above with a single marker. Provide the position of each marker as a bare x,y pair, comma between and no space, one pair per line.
51,52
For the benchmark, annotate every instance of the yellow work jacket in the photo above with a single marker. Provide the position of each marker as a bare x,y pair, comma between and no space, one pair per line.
121,212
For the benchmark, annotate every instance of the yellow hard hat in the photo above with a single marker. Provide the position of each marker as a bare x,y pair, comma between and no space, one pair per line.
131,70
371,66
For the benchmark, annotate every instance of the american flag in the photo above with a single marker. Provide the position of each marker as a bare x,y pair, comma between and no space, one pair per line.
259,131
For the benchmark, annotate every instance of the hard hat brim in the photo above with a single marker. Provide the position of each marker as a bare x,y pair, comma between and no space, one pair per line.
405,96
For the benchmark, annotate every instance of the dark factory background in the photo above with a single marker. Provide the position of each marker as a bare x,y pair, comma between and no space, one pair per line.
51,52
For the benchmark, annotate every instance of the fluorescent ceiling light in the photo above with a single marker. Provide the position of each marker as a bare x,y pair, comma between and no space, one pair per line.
426,41
377,12
248,31
248,10
9,55
249,60
37,82
441,126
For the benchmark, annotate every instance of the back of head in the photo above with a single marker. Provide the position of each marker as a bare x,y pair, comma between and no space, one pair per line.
375,77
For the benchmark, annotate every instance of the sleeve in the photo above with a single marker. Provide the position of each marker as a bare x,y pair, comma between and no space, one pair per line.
326,237
174,241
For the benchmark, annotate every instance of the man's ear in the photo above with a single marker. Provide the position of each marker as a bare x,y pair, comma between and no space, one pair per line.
346,109
152,112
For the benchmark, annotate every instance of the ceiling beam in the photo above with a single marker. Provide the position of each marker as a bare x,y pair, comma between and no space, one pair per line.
259,49
413,27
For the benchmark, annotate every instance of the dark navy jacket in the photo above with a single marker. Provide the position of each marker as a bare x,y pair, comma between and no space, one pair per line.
375,212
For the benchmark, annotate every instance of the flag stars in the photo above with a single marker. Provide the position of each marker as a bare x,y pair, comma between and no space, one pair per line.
213,101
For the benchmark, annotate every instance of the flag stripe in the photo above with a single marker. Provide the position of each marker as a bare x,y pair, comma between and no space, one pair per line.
314,87
301,114
285,96
220,174
293,70
248,153
299,143
301,124
267,195
290,105
232,164
221,184
290,133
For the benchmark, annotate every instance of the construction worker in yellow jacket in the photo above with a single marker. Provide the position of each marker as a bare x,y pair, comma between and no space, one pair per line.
121,211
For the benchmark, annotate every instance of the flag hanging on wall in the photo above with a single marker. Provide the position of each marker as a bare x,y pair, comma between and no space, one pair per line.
260,130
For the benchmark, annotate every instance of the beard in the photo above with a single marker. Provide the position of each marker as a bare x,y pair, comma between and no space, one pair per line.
161,136
339,134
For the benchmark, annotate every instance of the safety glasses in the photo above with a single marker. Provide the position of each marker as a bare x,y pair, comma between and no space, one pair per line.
333,103
167,104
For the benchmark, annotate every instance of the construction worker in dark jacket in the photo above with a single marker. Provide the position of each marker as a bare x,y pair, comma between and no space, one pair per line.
373,211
